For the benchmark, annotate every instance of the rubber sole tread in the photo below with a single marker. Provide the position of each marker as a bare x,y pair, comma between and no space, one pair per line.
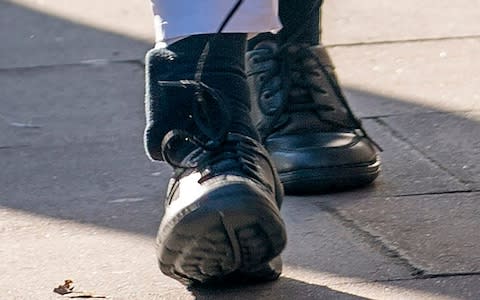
228,248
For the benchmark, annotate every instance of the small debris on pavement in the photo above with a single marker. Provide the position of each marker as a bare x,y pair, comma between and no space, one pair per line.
64,289
67,290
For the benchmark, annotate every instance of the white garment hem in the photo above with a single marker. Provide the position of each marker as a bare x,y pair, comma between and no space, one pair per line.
177,19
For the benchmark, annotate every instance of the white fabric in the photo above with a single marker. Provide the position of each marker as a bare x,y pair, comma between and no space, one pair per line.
178,18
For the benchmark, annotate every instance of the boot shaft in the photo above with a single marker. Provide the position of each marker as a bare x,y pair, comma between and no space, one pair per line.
202,92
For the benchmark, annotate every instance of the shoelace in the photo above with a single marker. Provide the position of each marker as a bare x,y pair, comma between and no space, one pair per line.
216,151
293,74
289,77
298,76
213,131
206,101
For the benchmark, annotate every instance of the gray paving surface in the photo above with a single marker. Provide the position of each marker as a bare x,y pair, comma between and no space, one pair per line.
406,170
461,287
58,105
438,234
404,73
79,199
453,137
39,39
377,20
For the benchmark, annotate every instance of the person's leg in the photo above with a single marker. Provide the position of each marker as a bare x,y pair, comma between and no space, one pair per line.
222,219
300,20
316,142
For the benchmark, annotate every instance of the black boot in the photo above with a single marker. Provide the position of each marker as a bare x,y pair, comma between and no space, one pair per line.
222,219
304,120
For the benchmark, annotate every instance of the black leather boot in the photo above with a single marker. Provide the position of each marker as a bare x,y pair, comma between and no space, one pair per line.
304,120
222,217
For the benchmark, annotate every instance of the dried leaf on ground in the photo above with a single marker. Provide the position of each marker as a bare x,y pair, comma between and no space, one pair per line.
64,289
67,290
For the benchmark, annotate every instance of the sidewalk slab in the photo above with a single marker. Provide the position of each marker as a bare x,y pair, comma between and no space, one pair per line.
405,171
46,251
121,264
132,18
102,184
447,288
42,39
451,140
373,103
439,234
344,21
61,105
451,288
351,21
321,249
411,77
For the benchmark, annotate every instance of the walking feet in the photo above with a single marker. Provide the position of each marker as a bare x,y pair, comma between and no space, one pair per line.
222,217
222,211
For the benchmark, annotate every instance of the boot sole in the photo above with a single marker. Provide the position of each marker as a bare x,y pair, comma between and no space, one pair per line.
231,233
323,180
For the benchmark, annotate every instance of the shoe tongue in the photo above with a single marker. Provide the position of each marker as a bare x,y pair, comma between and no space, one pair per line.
332,115
302,122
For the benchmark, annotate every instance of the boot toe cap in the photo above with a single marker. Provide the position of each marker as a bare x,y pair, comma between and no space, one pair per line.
319,162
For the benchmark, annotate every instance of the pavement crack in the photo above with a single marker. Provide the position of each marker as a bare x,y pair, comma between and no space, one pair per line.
414,278
13,147
422,113
87,62
453,274
430,276
395,133
404,41
373,240
467,191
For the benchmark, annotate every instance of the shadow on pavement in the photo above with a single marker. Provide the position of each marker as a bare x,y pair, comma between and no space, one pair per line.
284,288
71,145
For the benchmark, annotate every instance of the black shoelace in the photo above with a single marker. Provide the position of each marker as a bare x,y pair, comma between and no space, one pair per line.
215,148
293,76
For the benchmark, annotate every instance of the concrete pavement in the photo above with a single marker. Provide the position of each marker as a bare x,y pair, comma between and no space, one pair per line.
79,200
